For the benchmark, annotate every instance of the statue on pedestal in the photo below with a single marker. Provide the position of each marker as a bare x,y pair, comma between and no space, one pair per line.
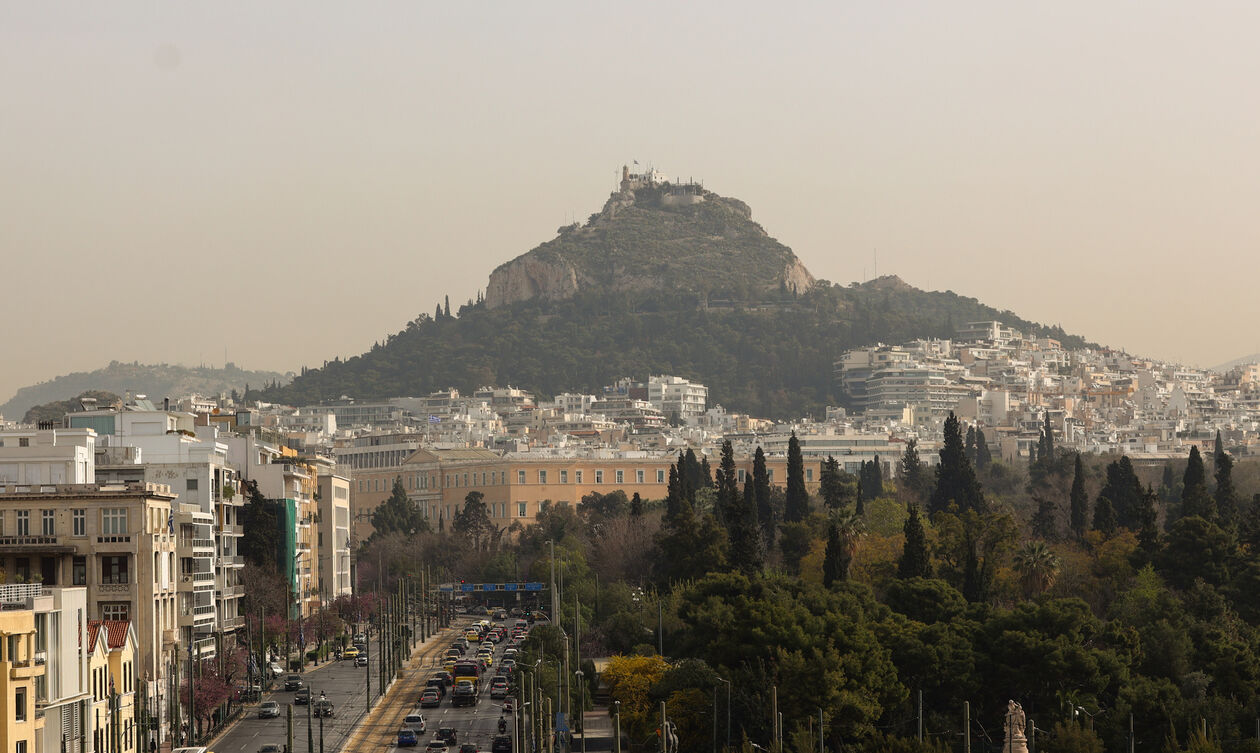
1013,740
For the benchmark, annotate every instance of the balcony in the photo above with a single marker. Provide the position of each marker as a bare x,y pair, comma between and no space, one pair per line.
15,595
24,544
113,543
114,587
232,530
233,623
197,616
231,592
232,560
25,669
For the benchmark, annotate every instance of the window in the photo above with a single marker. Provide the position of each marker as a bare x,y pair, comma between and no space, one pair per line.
520,509
660,475
599,477
621,476
638,476
48,522
114,569
564,477
117,610
23,522
809,474
465,479
114,521
542,477
520,477
770,475
739,474
24,442
78,520
21,747
578,475
19,704
78,571
190,484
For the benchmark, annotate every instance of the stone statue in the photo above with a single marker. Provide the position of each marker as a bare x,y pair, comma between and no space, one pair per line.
1013,740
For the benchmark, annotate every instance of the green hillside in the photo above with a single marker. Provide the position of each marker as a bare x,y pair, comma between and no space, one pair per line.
769,355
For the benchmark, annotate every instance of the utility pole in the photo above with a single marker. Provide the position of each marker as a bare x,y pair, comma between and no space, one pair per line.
920,716
321,732
310,701
774,718
288,727
966,726
617,726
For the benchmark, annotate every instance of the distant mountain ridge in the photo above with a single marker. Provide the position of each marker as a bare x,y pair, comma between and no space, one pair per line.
665,279
155,380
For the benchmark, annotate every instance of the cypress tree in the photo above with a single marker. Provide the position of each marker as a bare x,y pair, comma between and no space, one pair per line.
1080,502
1148,531
1047,451
706,473
834,568
796,506
1044,524
437,313
955,478
983,456
674,495
695,475
971,444
1124,491
911,472
914,561
761,495
1105,517
447,311
1225,496
1168,485
830,485
870,482
636,506
746,554
728,497
1194,495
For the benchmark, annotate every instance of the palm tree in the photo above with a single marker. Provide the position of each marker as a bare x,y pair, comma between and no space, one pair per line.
843,535
1038,568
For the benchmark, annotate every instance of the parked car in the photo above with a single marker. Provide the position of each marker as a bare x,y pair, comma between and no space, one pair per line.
269,710
407,738
293,682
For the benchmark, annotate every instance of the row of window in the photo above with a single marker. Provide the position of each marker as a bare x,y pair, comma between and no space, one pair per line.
493,478
113,522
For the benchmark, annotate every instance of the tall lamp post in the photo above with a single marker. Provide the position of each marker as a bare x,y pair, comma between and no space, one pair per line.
581,707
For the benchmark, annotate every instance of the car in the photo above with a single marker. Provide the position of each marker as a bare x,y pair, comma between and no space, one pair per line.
468,748
464,694
436,746
323,707
414,722
438,685
269,710
508,705
350,653
507,665
453,653
443,676
362,661
446,735
407,738
510,653
498,691
293,682
430,698
271,748
501,744
501,615
302,698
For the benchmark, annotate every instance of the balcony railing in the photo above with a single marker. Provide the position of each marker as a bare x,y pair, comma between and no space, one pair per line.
114,588
18,593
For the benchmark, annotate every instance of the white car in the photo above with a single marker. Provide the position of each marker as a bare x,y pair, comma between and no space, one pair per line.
414,722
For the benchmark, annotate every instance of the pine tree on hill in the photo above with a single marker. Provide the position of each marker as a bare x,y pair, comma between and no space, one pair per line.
796,507
914,561
674,496
1195,500
1079,500
955,478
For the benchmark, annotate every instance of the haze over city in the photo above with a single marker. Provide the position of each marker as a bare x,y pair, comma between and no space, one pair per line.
181,180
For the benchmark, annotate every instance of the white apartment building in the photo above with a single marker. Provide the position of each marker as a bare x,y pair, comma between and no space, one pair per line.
334,537
47,456
676,397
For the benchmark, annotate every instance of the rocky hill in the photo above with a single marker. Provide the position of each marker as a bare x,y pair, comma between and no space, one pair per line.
155,380
654,236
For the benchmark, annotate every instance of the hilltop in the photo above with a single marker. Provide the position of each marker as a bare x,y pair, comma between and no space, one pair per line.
668,278
155,380
654,235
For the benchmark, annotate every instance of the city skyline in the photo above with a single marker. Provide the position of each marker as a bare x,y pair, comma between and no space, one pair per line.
1079,166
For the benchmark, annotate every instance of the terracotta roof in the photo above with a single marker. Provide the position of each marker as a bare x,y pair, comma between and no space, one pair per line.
115,632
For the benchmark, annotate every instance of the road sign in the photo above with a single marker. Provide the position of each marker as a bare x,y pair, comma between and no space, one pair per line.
561,724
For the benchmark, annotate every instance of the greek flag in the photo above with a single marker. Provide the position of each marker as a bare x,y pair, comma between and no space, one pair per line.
170,523
435,419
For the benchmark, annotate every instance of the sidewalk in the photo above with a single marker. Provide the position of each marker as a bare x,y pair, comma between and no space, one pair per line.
600,730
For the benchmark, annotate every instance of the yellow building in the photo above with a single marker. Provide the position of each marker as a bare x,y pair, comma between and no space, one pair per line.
111,646
19,671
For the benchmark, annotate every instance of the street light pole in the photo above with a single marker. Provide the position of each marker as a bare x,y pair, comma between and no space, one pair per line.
581,706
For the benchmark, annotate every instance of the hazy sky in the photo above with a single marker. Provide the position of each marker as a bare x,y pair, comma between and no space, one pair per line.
292,181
